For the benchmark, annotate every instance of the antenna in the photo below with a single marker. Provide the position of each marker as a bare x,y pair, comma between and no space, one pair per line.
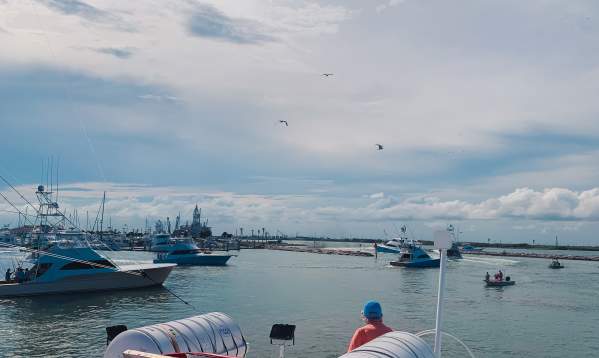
102,219
48,172
57,163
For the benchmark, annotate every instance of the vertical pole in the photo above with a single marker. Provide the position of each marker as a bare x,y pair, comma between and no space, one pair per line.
282,351
438,321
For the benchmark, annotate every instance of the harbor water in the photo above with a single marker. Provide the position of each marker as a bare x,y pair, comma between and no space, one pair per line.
548,313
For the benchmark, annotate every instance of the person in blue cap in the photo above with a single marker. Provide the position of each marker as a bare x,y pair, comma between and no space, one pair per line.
373,315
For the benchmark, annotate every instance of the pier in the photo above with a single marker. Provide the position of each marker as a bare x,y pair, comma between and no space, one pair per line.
535,255
320,250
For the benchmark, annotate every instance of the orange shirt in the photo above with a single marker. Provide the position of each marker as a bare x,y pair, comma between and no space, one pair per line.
367,333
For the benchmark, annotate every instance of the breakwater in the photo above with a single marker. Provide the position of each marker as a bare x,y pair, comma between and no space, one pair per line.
319,250
535,255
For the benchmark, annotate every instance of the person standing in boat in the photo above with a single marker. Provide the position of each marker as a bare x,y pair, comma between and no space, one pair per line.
373,315
7,275
487,277
20,275
500,274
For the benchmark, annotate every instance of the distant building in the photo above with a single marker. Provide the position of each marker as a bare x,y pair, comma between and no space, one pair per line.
197,227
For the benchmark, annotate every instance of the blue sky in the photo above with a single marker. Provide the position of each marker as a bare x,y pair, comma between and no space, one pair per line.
487,111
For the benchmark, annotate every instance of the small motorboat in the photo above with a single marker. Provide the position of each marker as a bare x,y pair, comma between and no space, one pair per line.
555,264
184,252
415,256
500,283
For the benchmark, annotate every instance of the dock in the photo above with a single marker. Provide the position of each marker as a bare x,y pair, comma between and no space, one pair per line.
320,250
535,255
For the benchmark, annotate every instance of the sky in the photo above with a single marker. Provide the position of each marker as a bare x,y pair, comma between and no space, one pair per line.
487,111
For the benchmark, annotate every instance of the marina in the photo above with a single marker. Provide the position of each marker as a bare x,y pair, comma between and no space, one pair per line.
322,295
307,178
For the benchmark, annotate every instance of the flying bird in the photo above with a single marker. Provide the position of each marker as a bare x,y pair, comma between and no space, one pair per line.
379,146
286,124
327,74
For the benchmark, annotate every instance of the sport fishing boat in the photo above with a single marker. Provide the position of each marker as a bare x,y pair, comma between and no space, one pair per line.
67,266
555,264
394,245
62,261
186,252
414,256
454,252
160,242
469,249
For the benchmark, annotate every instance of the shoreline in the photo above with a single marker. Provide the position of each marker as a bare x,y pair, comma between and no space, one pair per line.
472,243
535,255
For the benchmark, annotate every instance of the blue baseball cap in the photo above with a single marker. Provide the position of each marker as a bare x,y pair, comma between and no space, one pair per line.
372,310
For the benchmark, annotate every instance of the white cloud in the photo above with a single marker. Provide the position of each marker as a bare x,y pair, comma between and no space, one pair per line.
553,204
388,4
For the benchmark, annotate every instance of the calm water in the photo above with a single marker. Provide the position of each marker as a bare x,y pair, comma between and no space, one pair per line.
549,313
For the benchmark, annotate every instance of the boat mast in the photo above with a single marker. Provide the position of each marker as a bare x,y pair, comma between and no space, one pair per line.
102,217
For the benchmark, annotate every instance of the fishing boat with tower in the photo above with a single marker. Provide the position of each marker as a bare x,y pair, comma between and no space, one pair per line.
61,259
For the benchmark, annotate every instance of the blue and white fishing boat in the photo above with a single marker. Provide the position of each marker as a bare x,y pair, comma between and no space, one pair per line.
413,255
394,245
66,267
469,249
185,252
160,242
62,261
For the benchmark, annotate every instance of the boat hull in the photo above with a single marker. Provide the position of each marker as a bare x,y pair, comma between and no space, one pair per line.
387,249
196,260
128,277
556,267
418,264
499,283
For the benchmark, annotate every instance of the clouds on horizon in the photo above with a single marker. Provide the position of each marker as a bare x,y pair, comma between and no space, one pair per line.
131,204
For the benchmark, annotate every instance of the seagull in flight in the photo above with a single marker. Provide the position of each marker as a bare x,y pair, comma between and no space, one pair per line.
286,124
379,146
327,74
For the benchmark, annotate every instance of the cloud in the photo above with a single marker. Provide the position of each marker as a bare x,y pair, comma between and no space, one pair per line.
209,22
85,11
388,4
552,204
158,97
379,195
121,53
